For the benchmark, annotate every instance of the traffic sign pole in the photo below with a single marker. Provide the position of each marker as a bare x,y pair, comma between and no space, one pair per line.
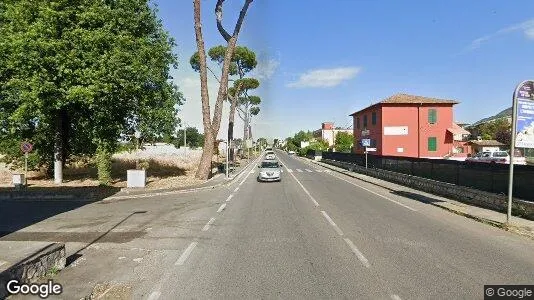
26,169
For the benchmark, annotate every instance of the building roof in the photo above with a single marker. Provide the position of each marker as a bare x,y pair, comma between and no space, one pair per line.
410,99
456,129
486,143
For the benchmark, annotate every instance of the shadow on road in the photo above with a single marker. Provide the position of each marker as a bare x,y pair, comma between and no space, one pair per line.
417,197
20,209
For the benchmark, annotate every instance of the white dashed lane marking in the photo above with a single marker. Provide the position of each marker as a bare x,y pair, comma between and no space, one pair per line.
221,208
186,254
207,226
299,170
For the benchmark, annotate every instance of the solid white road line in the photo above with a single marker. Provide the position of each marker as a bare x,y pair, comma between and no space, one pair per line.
290,171
395,297
221,207
308,170
299,170
186,254
251,171
375,193
207,226
360,256
154,296
327,217
236,189
229,197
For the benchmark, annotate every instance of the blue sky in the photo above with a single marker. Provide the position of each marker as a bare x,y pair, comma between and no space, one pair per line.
322,60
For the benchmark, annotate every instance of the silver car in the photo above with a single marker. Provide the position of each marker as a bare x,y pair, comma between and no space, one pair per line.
270,171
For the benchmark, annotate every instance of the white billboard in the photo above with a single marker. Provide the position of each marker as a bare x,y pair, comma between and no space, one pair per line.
395,130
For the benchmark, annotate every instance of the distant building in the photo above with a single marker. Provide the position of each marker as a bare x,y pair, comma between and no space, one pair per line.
476,146
328,132
412,126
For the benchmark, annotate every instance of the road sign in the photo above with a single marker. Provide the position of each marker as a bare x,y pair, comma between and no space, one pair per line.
26,147
522,130
370,149
525,115
366,142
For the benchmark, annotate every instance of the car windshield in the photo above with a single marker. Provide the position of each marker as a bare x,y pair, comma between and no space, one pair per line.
269,164
500,154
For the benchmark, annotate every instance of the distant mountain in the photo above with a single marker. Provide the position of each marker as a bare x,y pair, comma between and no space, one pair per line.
503,114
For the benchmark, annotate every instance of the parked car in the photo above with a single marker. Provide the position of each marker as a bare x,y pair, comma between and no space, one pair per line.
291,152
498,157
270,171
474,158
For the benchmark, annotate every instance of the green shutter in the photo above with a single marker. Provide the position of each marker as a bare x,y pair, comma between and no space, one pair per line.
432,116
432,144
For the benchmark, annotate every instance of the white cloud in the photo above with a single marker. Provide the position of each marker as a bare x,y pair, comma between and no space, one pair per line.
526,27
265,68
322,78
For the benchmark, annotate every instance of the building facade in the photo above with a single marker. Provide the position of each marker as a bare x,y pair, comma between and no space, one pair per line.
412,126
328,132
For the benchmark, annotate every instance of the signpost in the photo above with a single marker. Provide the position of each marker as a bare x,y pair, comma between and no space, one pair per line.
522,129
26,147
367,149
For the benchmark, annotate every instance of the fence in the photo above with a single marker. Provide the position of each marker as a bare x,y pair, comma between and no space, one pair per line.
487,177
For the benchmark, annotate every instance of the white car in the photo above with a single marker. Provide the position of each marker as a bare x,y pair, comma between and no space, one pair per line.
270,171
291,152
269,155
498,157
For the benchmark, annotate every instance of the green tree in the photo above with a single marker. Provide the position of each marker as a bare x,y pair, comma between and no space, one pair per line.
343,141
76,75
211,126
500,130
194,139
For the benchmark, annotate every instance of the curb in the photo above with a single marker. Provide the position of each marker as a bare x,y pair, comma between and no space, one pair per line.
497,224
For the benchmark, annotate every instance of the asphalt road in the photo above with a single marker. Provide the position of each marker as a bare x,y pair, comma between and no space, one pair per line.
315,234
318,234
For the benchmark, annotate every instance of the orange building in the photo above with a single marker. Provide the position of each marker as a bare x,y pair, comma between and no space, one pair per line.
412,126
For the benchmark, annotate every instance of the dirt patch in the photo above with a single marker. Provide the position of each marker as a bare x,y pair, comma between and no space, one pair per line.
164,171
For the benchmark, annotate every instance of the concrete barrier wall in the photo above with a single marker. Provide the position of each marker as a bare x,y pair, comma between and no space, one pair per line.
467,195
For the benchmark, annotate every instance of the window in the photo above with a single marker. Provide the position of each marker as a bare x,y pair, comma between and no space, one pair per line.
358,122
365,121
432,144
373,118
432,116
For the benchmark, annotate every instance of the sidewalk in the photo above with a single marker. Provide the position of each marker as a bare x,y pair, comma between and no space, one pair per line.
518,225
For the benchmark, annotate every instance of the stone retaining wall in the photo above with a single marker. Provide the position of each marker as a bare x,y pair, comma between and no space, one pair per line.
498,202
35,266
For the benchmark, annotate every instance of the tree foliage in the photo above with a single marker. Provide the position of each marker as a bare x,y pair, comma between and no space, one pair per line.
194,138
343,141
86,71
500,130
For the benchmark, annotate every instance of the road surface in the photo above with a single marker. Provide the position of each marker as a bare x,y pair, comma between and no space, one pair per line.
316,234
